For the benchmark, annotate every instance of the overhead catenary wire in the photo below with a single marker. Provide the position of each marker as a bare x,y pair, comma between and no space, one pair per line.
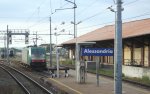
27,20
51,7
92,16
61,7
106,9
128,3
106,22
69,26
36,11
114,2
90,26
38,22
89,7
85,9
88,18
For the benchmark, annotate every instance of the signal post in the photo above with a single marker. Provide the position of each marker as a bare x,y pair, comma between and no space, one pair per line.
11,32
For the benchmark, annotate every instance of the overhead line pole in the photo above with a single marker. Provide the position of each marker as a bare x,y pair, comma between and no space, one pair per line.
76,47
7,37
118,49
50,43
57,57
75,36
75,33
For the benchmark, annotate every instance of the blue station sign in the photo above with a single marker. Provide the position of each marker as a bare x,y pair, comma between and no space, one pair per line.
97,52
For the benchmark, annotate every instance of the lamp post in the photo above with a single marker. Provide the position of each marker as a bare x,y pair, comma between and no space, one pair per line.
50,37
57,56
75,31
75,6
77,60
57,53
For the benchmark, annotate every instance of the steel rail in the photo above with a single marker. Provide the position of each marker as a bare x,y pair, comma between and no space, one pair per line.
22,86
43,88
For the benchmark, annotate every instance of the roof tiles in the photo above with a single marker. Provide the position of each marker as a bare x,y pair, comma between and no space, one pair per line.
130,29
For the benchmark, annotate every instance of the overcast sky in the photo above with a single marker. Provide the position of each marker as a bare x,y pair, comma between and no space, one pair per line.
34,15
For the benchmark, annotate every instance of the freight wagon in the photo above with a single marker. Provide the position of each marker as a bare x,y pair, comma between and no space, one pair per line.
35,57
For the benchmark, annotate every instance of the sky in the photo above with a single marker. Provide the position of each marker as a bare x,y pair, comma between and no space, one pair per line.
90,14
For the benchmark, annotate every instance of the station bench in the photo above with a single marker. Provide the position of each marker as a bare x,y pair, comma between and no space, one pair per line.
53,69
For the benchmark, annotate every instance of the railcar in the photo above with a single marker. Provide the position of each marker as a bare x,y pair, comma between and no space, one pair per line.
11,53
3,53
35,57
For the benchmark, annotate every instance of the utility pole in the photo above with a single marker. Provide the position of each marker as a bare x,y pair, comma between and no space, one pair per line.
77,62
50,45
118,49
57,57
7,36
75,36
75,33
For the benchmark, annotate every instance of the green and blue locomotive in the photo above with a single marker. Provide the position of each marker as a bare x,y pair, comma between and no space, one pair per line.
35,57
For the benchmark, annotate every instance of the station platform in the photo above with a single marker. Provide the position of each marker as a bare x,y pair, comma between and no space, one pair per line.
106,85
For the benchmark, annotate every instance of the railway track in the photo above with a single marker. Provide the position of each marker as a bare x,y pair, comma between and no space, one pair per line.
28,85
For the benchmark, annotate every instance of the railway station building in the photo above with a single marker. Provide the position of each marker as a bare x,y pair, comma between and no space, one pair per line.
136,46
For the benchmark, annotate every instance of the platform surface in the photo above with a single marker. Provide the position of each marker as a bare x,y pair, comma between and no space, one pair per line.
106,85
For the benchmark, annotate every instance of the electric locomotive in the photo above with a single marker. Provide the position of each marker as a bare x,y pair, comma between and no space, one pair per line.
35,57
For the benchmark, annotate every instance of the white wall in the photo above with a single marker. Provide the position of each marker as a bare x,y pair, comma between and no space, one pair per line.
135,71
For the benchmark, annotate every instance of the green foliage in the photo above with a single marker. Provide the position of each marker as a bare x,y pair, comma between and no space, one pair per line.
146,78
68,62
103,72
143,80
123,75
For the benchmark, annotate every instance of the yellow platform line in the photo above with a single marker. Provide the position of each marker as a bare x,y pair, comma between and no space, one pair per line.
65,85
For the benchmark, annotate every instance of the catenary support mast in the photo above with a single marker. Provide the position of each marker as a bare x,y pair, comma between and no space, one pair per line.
118,50
50,48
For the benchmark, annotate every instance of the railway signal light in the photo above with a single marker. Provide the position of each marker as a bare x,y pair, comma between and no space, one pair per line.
26,39
10,38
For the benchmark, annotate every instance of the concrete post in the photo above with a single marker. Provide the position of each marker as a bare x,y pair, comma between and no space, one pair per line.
50,45
118,50
7,46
